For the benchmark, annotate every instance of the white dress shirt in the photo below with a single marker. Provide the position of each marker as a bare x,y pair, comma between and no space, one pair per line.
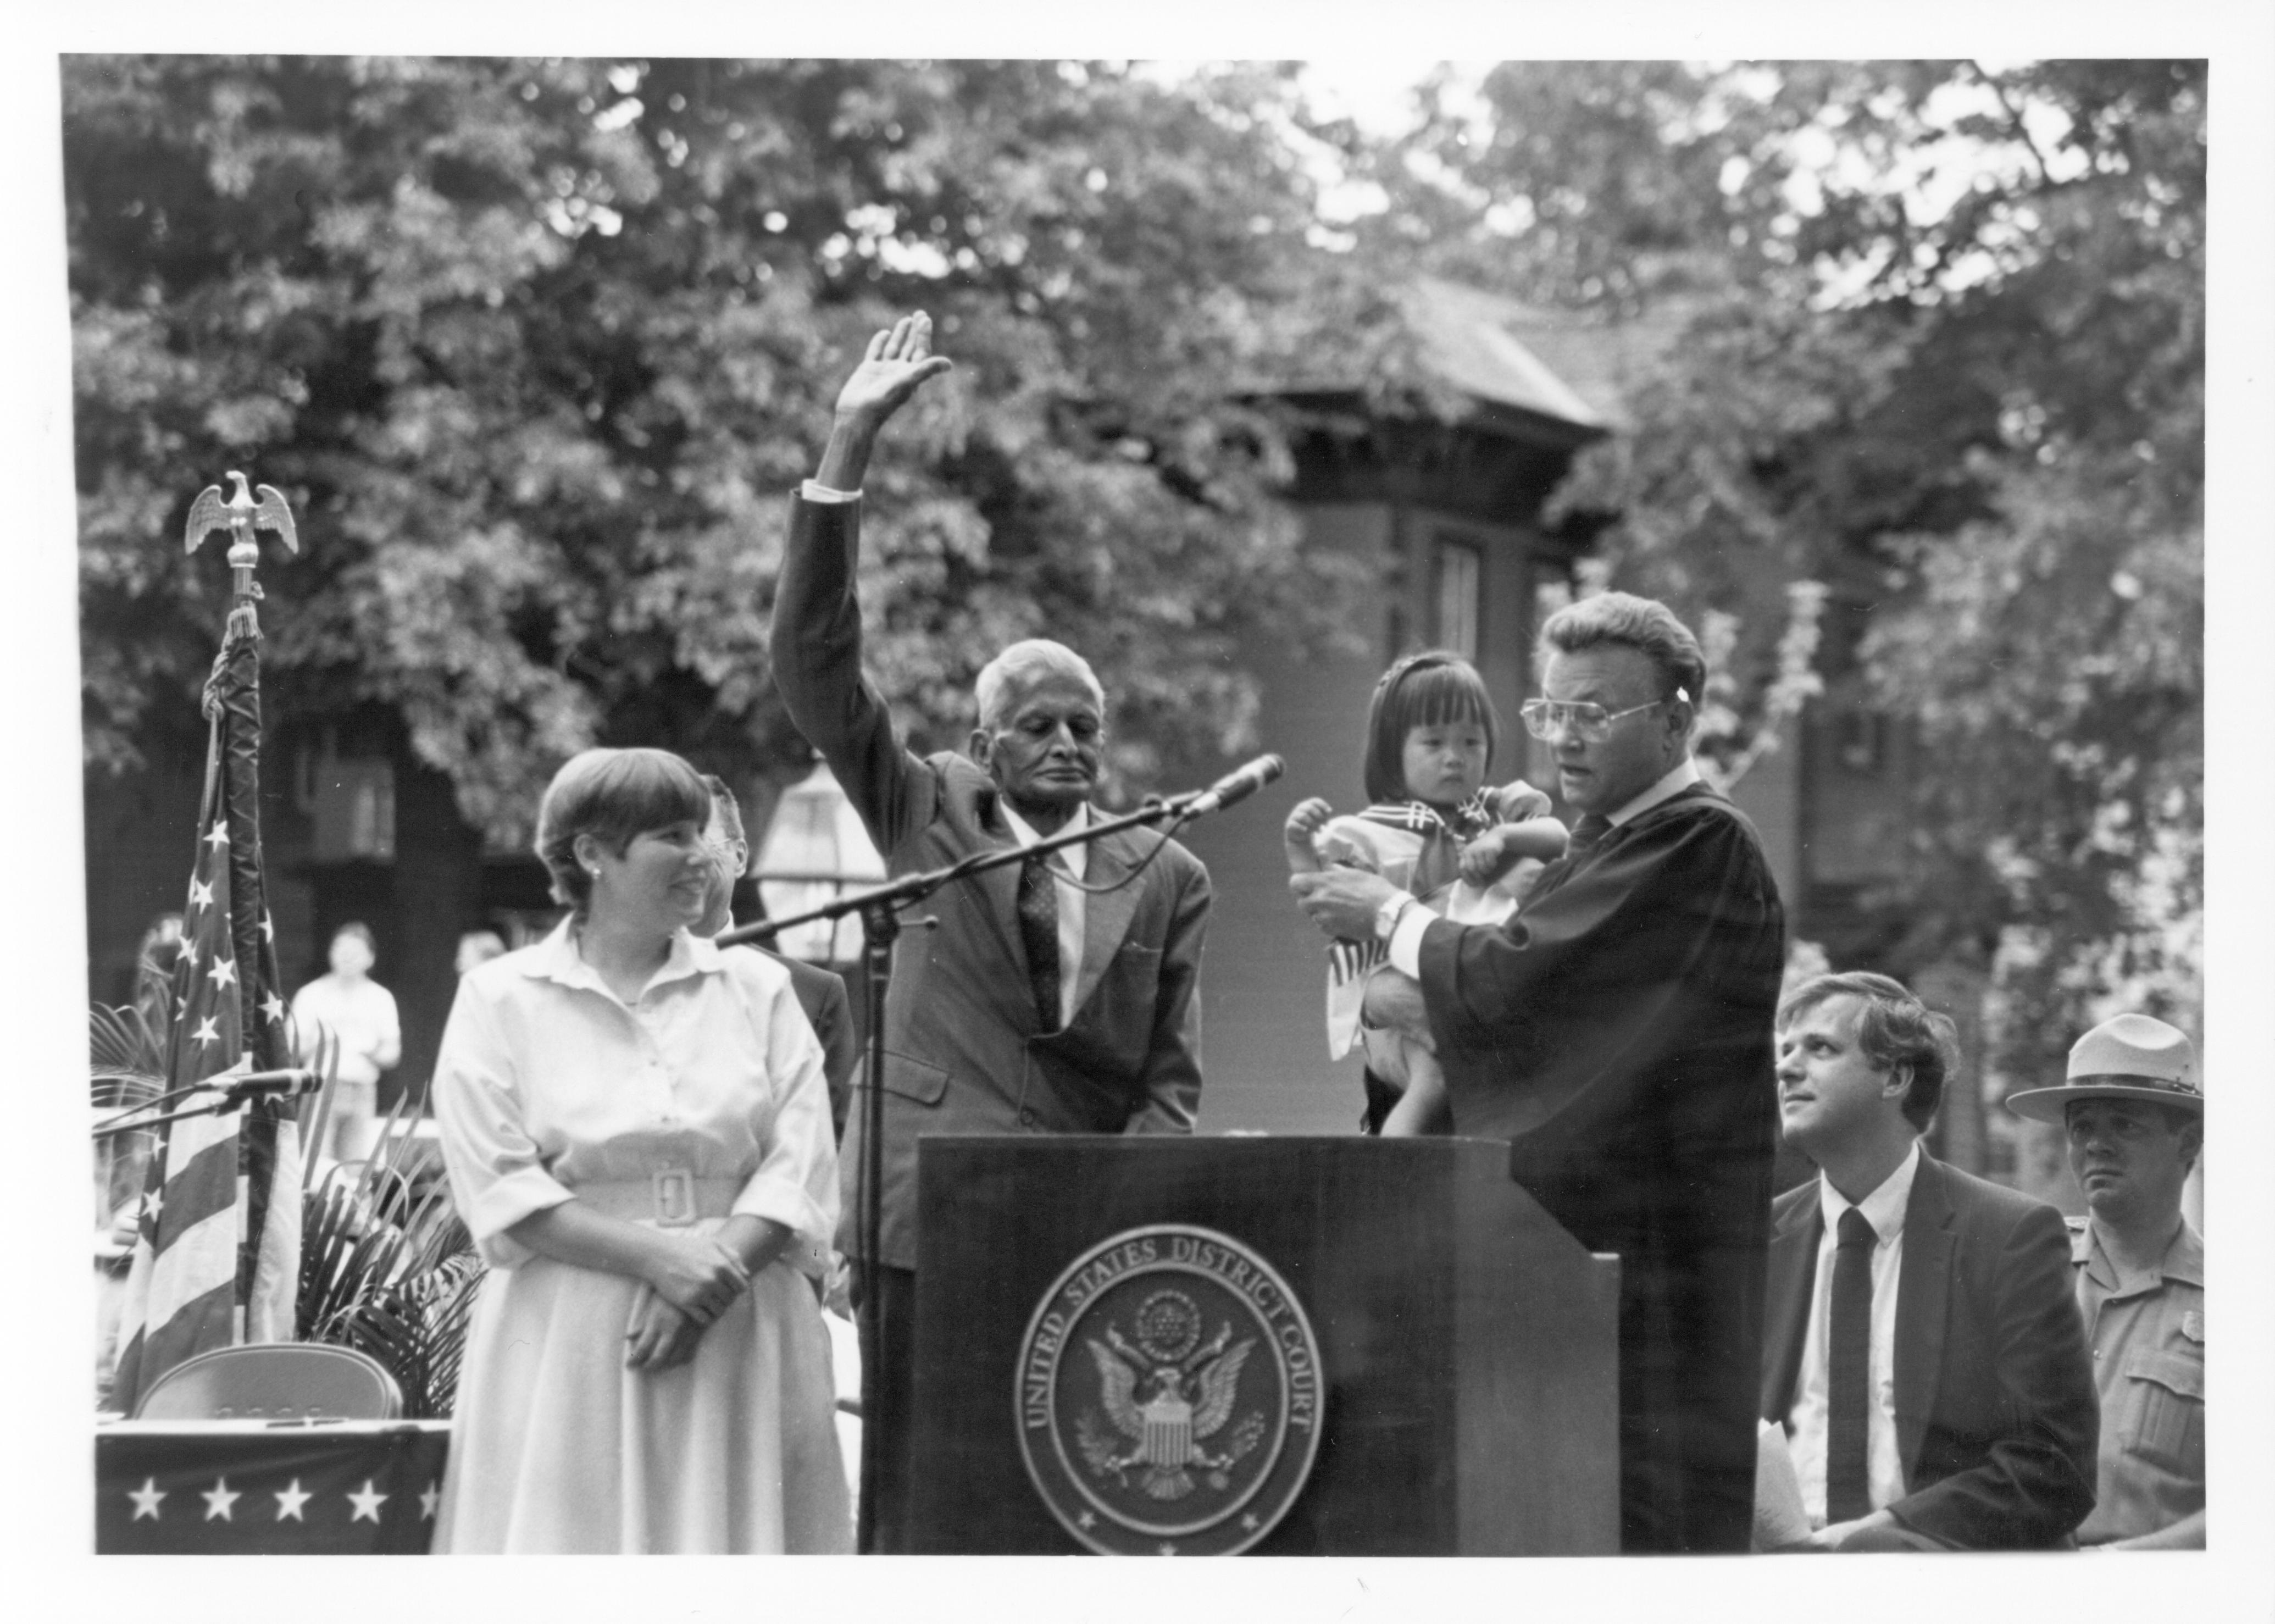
1067,865
1884,1210
1406,939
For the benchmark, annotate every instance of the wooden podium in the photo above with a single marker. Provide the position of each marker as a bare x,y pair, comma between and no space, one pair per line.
1466,1399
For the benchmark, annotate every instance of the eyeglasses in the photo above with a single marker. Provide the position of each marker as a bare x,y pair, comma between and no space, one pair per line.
1545,718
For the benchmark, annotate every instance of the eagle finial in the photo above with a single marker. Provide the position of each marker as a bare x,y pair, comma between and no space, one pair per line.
241,515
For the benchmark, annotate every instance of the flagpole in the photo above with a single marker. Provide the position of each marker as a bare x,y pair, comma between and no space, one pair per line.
216,1253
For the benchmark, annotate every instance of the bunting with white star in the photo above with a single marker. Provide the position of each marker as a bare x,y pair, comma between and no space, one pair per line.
217,1250
345,1488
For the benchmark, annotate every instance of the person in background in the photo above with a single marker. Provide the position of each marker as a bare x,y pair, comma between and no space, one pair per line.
637,1137
152,991
360,1014
478,947
820,993
1924,1352
2134,1117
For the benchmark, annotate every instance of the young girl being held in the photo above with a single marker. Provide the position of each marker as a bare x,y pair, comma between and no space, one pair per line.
1433,829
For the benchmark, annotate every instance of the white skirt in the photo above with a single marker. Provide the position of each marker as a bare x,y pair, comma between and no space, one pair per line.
556,1447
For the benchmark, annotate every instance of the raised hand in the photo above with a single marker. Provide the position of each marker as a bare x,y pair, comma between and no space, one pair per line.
899,359
1309,818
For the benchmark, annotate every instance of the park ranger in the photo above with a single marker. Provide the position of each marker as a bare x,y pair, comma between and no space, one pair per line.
2134,1114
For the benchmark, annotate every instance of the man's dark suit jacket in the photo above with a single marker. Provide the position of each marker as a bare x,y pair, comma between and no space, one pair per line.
821,994
965,1053
1997,1419
1618,1032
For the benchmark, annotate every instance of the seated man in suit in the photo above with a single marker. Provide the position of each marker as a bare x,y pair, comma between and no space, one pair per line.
2134,1120
1057,996
1923,1348
820,992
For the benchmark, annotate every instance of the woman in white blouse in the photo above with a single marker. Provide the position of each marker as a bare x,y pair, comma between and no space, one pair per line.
638,1134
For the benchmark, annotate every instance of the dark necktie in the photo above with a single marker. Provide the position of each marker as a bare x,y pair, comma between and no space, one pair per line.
1039,934
1848,1403
1591,828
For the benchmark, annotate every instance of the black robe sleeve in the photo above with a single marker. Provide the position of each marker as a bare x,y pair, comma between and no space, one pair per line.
1653,958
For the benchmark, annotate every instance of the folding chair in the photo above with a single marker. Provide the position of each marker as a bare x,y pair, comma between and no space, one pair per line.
274,1381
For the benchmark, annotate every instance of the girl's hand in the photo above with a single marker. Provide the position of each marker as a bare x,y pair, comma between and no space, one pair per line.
697,1276
1518,802
1487,858
1304,825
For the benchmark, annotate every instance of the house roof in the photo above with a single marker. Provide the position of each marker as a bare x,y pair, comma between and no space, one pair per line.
1565,367
1477,341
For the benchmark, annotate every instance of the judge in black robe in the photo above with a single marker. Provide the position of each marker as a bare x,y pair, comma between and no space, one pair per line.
1618,1031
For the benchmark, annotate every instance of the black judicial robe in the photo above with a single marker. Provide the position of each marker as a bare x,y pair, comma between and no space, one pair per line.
1618,1031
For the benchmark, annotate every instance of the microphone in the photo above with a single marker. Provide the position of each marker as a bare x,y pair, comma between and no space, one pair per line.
273,1084
1234,786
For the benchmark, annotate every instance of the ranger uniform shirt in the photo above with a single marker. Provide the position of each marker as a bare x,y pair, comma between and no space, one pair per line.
2148,1364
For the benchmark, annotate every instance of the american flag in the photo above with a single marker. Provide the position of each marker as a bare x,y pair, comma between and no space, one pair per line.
217,1243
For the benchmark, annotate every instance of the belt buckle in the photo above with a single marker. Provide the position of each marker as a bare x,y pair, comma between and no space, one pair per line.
675,1197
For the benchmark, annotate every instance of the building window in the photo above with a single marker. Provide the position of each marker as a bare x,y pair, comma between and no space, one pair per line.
1461,567
353,805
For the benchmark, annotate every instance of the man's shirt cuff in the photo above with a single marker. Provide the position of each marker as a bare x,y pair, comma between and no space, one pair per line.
1406,941
814,490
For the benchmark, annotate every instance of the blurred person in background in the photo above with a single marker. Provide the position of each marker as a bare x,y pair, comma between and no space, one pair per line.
478,947
820,993
360,1014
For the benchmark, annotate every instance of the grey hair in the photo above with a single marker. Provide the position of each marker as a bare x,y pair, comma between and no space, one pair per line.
1643,624
1025,662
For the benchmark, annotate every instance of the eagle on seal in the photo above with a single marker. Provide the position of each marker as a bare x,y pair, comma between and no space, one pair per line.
1183,1402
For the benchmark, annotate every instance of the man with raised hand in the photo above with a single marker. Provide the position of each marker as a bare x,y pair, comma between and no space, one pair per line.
1057,996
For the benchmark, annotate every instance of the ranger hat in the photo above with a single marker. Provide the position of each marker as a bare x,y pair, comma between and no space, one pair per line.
2129,1057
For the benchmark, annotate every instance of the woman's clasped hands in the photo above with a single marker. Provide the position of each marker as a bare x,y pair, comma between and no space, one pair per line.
689,1283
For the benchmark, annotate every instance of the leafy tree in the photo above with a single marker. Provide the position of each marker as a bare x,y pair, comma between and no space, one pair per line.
537,347
1934,335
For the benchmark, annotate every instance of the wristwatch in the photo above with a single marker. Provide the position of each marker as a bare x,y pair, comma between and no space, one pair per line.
1393,909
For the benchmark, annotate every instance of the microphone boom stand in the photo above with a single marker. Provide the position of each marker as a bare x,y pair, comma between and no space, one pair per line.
880,908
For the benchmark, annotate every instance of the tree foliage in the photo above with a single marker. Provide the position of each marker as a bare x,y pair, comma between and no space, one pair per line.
1934,335
537,349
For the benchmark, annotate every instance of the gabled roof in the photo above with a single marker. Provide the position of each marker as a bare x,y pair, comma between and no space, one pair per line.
1471,340
1567,372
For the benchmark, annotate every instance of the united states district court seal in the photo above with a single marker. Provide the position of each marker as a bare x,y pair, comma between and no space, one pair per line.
1169,1395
